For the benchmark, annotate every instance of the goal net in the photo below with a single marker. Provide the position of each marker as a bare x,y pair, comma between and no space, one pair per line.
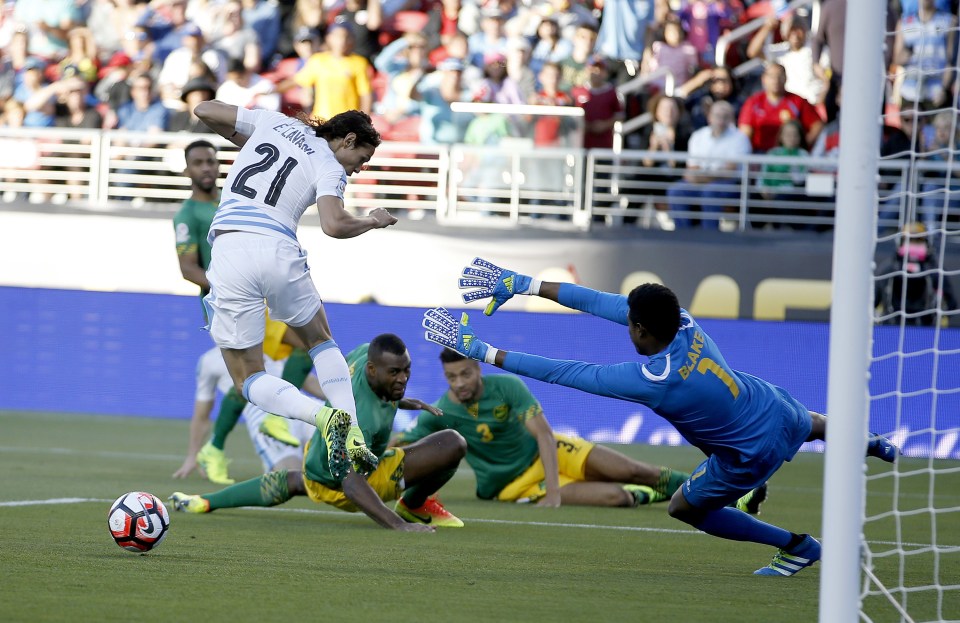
909,555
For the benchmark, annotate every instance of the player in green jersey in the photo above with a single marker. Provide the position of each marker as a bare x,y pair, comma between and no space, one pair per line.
379,373
517,457
191,225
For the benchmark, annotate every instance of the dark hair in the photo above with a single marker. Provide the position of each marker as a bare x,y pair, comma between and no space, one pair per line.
236,66
795,124
448,355
656,309
198,144
338,126
385,343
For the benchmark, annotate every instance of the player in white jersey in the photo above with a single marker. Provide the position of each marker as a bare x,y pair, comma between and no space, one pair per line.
284,166
212,376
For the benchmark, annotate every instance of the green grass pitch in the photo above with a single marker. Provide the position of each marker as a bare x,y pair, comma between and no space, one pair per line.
301,561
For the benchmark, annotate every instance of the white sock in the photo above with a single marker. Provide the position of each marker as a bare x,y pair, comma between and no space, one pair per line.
274,395
334,377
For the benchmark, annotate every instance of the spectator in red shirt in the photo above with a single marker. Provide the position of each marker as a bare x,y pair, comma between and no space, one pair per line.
764,112
601,106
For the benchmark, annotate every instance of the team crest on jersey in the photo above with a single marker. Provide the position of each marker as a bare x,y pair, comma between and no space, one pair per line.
501,412
183,233
474,409
342,186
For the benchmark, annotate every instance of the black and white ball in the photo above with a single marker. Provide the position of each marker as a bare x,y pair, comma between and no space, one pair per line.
138,521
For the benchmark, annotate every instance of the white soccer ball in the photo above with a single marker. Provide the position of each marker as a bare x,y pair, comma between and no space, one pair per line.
138,521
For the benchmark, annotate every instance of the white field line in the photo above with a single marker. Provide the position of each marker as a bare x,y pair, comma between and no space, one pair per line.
508,522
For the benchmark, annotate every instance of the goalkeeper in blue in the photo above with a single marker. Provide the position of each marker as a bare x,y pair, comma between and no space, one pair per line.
747,427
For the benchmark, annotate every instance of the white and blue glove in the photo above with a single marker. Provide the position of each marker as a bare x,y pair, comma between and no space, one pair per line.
497,284
443,329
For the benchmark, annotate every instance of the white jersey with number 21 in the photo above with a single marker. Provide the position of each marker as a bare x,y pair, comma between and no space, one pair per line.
282,170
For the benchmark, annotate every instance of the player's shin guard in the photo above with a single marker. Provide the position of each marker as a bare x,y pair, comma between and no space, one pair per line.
334,377
274,395
417,494
267,490
230,409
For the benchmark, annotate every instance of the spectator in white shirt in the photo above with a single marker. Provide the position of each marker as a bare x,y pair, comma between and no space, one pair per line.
246,89
709,181
794,53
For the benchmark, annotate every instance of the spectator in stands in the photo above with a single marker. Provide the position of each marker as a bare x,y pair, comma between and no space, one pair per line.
622,36
764,112
518,67
705,20
669,132
708,86
110,19
144,112
549,131
550,47
140,49
176,68
47,23
569,16
194,91
436,92
601,106
304,14
489,40
166,21
403,63
674,53
40,111
246,89
263,17
81,54
780,182
573,70
364,18
234,39
942,148
336,80
497,87
73,104
710,178
13,117
17,54
925,46
910,8
794,54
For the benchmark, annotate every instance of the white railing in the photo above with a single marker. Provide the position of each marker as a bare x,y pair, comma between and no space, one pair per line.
513,183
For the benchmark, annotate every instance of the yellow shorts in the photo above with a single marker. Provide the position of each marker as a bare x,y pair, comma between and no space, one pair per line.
273,345
385,480
572,453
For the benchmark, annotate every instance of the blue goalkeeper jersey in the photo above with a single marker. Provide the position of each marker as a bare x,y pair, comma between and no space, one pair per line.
722,411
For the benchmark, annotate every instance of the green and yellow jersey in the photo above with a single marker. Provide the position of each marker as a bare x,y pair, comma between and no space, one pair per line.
374,415
500,447
191,224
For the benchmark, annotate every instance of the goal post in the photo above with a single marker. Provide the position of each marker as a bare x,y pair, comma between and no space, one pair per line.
851,314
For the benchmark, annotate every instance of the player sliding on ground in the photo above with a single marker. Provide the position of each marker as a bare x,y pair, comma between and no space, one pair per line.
379,373
285,165
746,426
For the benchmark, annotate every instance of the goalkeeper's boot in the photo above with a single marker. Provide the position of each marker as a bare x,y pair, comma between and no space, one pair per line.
214,463
670,480
334,425
643,494
750,503
276,427
189,503
364,461
789,562
881,447
431,513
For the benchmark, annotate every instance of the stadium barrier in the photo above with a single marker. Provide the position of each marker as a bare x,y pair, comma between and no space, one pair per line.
513,183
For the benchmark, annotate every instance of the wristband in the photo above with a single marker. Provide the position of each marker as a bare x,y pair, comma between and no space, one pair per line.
491,356
534,289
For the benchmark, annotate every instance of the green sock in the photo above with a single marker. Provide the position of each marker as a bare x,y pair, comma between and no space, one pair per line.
670,481
297,368
230,409
267,490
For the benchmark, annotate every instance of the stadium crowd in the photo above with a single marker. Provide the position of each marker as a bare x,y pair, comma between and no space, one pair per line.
144,66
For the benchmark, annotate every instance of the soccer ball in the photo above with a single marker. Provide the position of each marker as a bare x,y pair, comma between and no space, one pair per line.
138,521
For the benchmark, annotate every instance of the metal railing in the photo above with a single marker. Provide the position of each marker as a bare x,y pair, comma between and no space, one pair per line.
513,183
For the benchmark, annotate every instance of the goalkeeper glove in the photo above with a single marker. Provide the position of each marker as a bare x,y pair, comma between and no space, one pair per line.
497,284
443,329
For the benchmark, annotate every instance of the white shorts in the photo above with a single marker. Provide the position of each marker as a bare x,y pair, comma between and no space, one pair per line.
246,269
271,451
